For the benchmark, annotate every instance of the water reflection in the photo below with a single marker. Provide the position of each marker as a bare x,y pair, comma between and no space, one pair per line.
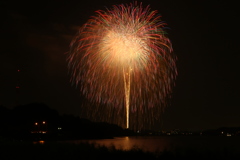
168,143
39,142
127,143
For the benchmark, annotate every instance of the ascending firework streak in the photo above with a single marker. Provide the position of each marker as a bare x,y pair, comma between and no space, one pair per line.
122,57
127,84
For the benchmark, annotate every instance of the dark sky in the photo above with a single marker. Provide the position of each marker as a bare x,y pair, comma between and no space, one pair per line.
35,36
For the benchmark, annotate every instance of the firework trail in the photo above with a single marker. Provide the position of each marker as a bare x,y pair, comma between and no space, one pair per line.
122,60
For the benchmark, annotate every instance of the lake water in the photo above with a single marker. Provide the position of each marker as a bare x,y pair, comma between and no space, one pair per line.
171,143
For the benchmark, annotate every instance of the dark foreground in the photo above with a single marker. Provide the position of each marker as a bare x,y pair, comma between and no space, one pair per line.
70,151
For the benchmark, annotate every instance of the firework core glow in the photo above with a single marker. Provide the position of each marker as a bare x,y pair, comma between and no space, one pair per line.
123,62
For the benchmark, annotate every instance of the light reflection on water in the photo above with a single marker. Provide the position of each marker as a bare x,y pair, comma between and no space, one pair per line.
144,143
39,142
127,143
169,143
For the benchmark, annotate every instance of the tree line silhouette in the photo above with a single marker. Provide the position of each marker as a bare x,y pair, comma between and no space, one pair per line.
37,121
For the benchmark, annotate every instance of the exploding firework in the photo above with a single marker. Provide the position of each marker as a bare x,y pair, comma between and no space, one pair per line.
122,60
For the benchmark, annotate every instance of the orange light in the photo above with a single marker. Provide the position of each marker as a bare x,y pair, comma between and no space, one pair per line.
36,123
43,122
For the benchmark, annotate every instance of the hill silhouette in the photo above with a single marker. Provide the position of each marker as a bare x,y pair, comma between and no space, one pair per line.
37,121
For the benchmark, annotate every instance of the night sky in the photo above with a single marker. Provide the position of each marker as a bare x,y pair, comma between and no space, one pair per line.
35,36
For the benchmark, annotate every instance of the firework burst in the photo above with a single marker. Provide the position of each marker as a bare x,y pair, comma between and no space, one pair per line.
122,60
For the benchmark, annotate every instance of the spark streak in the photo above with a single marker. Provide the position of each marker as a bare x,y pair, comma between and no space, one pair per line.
127,84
